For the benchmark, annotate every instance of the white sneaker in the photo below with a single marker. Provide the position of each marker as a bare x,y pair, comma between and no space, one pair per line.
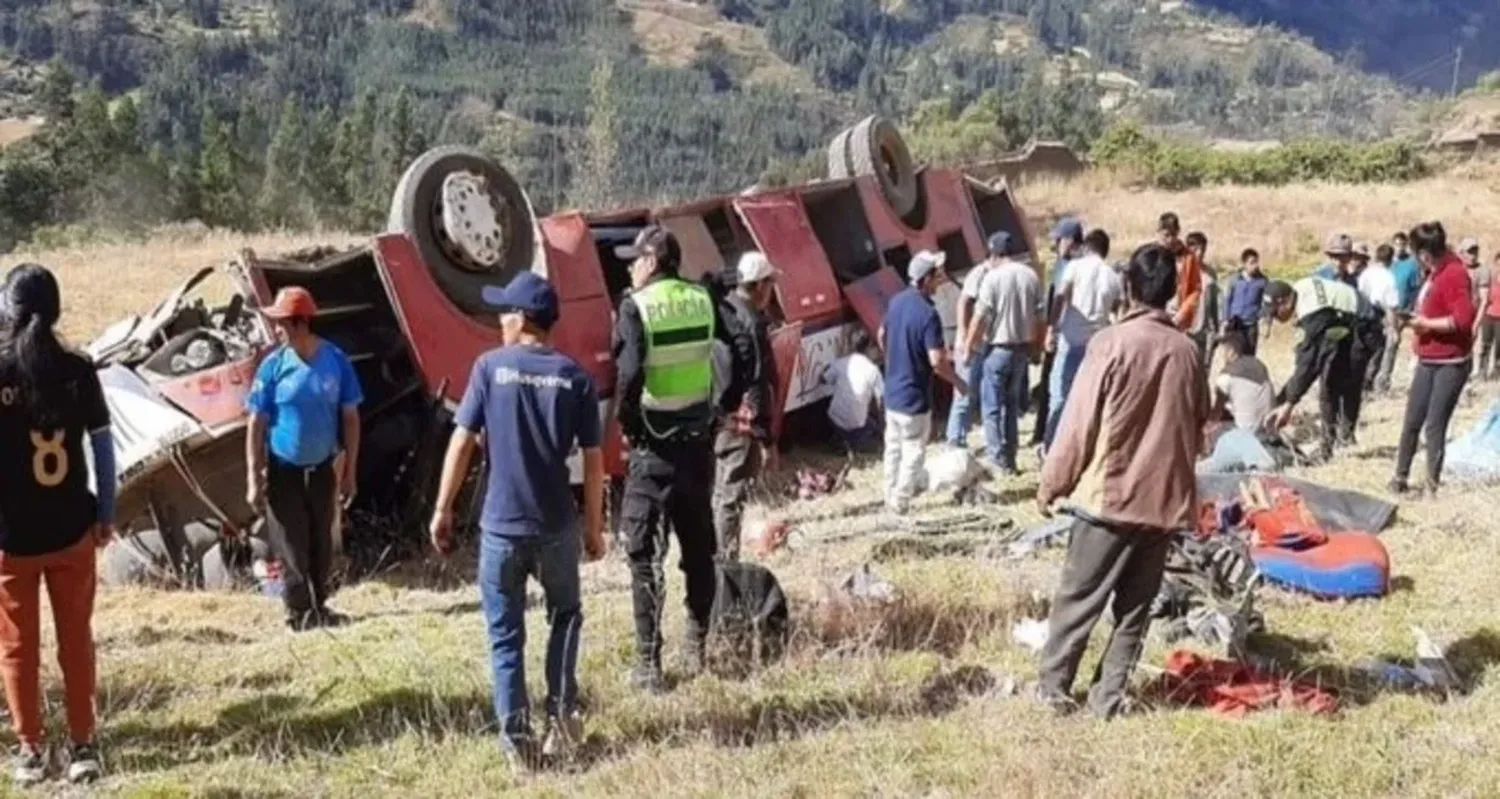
30,767
83,764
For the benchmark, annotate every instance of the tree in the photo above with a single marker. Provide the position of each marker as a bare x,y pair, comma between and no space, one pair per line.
55,98
219,180
281,189
596,186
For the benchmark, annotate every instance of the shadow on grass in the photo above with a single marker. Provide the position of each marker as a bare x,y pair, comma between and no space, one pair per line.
842,626
1470,659
141,637
271,727
779,718
275,727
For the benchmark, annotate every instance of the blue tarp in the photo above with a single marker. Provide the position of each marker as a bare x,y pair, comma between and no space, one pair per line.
1475,457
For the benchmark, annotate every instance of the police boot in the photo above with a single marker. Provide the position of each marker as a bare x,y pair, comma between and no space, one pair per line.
646,674
694,647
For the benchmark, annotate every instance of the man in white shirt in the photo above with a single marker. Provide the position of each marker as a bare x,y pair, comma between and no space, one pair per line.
1378,285
857,389
970,363
1087,294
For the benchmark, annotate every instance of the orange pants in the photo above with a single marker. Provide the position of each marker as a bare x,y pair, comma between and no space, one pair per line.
70,579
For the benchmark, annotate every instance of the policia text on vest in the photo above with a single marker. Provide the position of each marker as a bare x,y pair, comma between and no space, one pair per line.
664,343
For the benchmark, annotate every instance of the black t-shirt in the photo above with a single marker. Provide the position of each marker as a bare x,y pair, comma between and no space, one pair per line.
45,501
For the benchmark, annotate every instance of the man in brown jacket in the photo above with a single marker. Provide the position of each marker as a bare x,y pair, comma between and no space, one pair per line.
1124,454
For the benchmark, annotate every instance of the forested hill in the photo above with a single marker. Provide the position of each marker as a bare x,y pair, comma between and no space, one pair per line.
300,112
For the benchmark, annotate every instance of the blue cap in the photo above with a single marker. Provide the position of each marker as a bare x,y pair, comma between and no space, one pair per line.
1068,229
529,294
1000,243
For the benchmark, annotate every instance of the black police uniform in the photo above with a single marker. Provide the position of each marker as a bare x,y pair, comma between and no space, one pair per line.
669,484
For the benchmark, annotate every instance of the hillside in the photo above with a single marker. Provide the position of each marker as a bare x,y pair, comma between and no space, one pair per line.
277,113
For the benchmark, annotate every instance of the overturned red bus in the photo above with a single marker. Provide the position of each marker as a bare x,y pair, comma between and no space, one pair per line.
407,309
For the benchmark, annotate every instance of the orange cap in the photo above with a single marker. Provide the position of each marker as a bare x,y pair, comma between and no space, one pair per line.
292,302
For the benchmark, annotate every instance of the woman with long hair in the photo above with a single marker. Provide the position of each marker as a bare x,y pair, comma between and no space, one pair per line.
50,520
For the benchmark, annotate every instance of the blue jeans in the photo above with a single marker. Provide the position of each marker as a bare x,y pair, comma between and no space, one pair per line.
961,415
504,565
1003,397
1064,369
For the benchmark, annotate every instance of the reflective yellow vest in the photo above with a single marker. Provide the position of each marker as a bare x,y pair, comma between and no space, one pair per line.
678,317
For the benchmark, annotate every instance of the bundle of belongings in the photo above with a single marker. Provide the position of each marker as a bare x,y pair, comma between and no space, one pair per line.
1208,593
1475,457
1291,548
1234,689
1234,449
750,619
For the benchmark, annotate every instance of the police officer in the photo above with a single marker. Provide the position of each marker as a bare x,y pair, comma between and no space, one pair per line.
1327,313
663,349
744,445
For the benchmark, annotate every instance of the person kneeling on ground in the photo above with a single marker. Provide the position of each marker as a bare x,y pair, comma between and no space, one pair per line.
857,384
1242,390
533,404
1125,453
50,523
303,405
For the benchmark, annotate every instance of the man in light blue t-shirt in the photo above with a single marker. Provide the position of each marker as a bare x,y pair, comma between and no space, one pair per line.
304,411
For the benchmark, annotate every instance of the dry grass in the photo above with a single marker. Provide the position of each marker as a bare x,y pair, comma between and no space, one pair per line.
105,282
207,695
1287,224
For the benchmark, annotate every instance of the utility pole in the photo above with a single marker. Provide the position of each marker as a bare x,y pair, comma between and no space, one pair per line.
1458,60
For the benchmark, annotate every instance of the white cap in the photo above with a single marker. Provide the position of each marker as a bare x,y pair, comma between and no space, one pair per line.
925,263
754,267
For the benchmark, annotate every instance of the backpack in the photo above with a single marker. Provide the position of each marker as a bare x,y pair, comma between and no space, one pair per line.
750,619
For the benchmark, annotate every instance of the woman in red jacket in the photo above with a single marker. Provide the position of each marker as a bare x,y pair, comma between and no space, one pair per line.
1444,327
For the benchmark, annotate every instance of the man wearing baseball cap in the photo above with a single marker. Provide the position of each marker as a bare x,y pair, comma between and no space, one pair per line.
1479,274
531,405
304,409
1007,327
969,361
1067,241
665,399
744,444
912,337
1341,260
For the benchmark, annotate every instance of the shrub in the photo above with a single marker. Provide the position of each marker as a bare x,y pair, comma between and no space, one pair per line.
1177,165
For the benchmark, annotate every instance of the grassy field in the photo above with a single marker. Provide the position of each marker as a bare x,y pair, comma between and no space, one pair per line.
208,695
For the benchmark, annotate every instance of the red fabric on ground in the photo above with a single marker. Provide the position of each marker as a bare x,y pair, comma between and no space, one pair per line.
1234,689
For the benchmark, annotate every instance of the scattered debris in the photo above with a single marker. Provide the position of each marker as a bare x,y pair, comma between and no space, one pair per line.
866,585
766,536
1234,689
1031,633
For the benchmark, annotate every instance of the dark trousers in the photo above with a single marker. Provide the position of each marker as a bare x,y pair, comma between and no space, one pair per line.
669,484
739,465
1435,391
1105,567
300,507
1374,359
1042,402
1489,347
1249,328
1341,397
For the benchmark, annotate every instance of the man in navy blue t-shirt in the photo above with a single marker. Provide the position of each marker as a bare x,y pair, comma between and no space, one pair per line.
912,337
533,405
